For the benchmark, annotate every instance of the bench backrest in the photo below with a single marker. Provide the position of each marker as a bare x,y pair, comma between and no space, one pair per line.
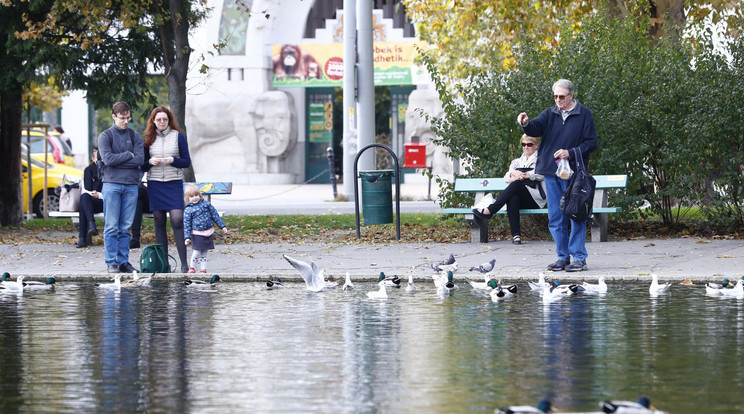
474,185
214,187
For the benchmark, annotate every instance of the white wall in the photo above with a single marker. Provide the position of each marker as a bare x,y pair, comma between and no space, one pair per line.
75,123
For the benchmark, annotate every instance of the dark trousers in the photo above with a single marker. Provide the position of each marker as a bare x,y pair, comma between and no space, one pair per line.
87,208
143,206
515,196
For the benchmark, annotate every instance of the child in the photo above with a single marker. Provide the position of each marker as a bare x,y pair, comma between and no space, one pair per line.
198,225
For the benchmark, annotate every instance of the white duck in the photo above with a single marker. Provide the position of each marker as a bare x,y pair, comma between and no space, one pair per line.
656,288
600,287
200,284
347,283
543,407
382,292
447,287
540,284
312,275
411,287
111,286
48,284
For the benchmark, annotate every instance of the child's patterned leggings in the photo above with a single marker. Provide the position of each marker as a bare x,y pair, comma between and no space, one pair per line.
199,257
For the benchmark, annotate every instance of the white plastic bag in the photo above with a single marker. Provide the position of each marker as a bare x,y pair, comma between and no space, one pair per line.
564,170
484,202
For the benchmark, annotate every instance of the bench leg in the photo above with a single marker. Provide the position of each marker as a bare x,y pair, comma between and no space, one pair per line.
478,229
599,228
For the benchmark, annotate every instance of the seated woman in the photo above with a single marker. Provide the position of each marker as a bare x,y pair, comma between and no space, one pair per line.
525,189
91,202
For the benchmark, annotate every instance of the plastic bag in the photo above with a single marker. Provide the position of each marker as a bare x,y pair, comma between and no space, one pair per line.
564,170
484,202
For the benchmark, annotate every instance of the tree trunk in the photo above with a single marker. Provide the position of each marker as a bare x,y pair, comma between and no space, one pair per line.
11,203
663,14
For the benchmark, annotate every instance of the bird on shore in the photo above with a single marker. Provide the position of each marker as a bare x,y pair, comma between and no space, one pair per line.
600,287
484,267
201,284
274,284
449,264
656,288
540,284
380,293
116,285
48,284
411,287
543,407
310,272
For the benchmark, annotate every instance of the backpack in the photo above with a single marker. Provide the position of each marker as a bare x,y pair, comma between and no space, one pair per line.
577,200
154,260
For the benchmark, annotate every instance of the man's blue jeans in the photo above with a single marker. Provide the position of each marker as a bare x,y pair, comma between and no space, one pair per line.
119,206
565,245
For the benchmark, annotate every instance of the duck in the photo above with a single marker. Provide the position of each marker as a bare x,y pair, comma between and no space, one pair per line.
552,294
411,287
656,288
6,278
600,287
642,406
332,283
714,288
447,287
736,292
200,284
310,272
540,284
347,283
136,281
10,285
380,293
543,407
274,284
390,281
450,264
482,285
116,286
483,267
48,284
500,292
567,289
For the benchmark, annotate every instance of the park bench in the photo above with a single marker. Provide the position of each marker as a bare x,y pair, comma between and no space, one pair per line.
208,189
482,186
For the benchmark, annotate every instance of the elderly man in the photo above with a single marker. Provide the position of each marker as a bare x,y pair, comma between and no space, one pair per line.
562,127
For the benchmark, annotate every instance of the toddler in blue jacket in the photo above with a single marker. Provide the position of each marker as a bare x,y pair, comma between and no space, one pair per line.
199,219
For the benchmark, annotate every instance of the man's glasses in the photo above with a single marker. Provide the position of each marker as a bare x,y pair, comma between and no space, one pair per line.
560,97
528,144
161,120
124,119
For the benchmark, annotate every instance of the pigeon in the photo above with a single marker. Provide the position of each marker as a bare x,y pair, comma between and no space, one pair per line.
449,265
484,267
312,275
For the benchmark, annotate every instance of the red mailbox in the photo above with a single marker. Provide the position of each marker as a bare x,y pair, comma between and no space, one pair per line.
414,155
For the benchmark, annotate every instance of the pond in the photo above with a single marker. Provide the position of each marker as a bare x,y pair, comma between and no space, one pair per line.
241,347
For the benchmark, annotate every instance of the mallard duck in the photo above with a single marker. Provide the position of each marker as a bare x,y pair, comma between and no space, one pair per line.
332,283
543,407
48,284
482,285
9,284
310,272
411,287
274,284
500,292
656,288
483,267
380,293
450,264
540,284
200,284
642,406
111,286
714,288
6,277
137,281
449,286
736,292
390,281
558,291
600,287
347,283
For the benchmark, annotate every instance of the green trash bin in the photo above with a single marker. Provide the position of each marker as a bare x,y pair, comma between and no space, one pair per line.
377,196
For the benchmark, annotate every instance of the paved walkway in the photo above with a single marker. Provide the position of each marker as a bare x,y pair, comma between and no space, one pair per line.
671,259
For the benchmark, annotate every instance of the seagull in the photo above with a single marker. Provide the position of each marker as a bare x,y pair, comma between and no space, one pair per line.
657,288
411,287
643,406
382,292
347,283
446,265
482,285
600,287
274,284
540,284
116,286
200,284
543,407
35,285
484,267
312,275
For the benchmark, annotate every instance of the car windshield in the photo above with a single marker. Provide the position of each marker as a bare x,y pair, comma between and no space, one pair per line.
36,163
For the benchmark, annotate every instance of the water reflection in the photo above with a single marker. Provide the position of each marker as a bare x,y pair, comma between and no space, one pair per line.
244,348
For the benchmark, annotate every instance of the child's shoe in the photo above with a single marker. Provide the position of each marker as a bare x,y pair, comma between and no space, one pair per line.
191,270
203,271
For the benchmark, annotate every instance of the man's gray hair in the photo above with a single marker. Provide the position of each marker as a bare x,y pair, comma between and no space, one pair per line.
565,84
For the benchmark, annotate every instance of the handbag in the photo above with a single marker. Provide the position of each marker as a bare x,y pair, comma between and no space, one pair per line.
69,197
578,199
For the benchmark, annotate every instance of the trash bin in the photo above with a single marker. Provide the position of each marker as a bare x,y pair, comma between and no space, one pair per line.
377,196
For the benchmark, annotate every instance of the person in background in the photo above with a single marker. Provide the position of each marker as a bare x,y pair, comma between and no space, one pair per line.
91,202
525,190
63,136
565,126
166,154
122,153
199,220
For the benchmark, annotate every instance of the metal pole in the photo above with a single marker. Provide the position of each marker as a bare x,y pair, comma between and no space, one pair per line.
332,170
350,135
366,81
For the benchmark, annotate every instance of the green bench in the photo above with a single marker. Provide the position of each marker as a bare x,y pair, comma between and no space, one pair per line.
482,186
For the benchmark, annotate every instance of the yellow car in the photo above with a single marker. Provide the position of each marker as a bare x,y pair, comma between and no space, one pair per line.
58,152
56,176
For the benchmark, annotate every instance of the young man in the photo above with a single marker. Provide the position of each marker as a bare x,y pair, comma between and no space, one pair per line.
562,127
122,152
